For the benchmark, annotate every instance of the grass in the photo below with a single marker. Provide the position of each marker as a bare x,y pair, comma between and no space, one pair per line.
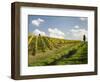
80,57
61,52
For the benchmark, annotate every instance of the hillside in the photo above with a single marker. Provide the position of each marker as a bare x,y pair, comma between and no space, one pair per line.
44,51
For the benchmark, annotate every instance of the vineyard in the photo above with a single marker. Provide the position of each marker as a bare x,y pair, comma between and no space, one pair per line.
44,51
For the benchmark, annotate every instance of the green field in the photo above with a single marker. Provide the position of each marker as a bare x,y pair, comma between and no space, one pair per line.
45,51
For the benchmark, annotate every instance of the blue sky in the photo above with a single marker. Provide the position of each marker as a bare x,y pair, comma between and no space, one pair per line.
65,27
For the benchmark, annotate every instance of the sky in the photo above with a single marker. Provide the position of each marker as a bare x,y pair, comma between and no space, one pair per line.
63,27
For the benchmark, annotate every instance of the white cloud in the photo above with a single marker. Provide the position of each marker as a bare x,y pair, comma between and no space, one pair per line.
76,27
41,20
37,22
56,33
78,33
82,18
37,32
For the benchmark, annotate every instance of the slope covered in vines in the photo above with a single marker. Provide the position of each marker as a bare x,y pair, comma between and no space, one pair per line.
43,50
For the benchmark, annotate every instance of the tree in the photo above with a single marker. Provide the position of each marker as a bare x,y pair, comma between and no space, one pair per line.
39,34
84,38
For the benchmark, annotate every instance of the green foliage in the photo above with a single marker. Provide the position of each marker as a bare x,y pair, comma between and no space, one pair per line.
80,57
44,50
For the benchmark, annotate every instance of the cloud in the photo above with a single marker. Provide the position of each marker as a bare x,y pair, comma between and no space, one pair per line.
56,33
77,27
37,32
37,22
77,34
82,18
